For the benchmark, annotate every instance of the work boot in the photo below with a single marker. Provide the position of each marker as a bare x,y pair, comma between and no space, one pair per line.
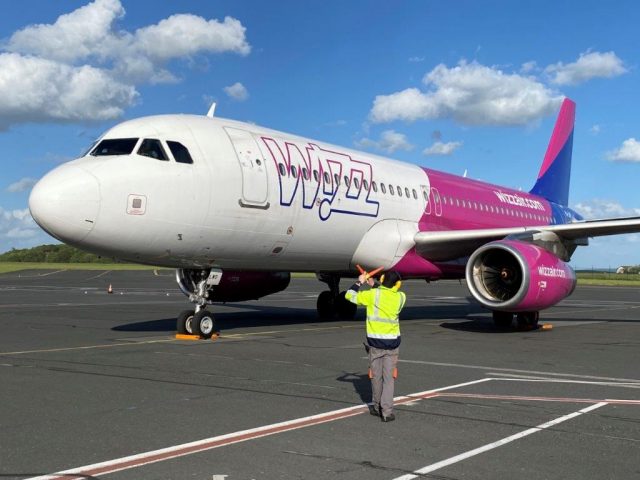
389,418
374,410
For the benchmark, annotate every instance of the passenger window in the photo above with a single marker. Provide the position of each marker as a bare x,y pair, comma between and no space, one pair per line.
383,188
327,178
294,172
399,191
346,181
152,148
315,175
283,171
336,178
391,190
305,173
115,146
180,152
374,186
356,182
365,184
415,195
406,191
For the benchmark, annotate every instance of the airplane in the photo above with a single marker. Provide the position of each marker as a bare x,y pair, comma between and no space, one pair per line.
235,208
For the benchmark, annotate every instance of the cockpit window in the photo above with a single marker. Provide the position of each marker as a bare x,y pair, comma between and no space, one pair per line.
180,152
151,147
115,146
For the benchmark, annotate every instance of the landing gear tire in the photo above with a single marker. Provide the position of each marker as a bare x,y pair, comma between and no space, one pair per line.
502,320
528,320
326,305
345,309
203,324
184,322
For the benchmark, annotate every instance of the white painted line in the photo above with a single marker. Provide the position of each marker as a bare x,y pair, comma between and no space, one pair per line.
146,458
513,370
520,378
471,453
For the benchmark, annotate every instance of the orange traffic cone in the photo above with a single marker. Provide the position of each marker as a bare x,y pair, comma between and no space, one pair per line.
110,289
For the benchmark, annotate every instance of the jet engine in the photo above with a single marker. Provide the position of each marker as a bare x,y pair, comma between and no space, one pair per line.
230,286
513,276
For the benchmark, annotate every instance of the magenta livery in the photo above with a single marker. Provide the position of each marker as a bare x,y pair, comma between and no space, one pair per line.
236,207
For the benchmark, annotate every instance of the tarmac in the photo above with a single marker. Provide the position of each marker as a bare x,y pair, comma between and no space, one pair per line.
97,385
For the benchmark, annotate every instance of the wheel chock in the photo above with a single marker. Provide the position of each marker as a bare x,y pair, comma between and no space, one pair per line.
546,326
185,336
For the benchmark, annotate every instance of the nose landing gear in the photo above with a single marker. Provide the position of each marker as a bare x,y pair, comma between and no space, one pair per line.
196,285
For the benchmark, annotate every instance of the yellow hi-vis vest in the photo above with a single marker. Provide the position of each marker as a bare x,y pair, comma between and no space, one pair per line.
383,308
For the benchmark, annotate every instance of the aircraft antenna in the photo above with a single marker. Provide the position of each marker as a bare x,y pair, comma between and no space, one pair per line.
212,110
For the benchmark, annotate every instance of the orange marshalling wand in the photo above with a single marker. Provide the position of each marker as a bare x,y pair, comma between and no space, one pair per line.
370,274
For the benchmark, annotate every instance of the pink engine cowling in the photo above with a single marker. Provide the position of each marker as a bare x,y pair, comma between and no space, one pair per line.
514,276
235,286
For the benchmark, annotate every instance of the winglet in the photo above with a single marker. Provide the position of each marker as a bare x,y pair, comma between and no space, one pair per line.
555,172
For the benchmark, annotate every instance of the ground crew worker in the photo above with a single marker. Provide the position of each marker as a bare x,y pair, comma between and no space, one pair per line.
383,336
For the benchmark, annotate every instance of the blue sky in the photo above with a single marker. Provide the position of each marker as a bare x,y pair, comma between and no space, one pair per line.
453,85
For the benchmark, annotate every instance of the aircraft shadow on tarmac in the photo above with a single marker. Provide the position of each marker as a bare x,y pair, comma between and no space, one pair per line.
462,317
268,316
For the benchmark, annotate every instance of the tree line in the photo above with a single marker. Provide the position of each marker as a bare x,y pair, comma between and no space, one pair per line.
52,254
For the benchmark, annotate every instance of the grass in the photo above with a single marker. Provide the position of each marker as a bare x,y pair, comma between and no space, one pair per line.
609,279
6,267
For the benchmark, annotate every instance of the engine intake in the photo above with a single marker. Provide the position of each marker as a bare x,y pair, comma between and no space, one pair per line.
514,276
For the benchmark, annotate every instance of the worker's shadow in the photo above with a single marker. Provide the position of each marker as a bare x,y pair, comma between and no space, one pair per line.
360,382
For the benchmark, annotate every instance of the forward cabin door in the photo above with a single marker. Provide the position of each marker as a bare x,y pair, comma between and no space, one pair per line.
255,188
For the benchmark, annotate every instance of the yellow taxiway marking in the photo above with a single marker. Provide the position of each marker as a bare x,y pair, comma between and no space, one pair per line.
233,336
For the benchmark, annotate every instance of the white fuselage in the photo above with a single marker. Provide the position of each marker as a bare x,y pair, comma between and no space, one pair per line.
249,200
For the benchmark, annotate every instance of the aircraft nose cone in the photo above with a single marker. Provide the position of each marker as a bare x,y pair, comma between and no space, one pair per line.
66,203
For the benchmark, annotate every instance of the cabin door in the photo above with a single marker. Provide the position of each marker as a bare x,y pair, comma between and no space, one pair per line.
255,188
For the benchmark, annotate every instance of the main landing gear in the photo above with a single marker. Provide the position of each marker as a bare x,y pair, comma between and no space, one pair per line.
199,321
332,303
525,320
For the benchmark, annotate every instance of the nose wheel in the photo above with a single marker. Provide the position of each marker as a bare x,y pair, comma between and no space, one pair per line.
201,323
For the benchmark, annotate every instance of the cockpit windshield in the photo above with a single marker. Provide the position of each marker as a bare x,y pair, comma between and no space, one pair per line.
151,147
115,146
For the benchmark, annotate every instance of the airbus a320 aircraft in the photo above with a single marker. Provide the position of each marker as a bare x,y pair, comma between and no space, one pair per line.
235,207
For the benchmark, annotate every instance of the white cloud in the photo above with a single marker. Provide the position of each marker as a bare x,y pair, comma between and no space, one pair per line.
184,35
628,152
589,65
416,59
82,67
82,33
529,67
36,90
599,208
237,91
440,148
390,141
21,185
16,224
471,94
595,129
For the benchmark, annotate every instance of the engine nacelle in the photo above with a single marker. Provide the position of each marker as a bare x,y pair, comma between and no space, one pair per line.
514,276
232,286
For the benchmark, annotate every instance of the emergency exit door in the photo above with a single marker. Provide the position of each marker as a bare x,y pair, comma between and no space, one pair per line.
255,188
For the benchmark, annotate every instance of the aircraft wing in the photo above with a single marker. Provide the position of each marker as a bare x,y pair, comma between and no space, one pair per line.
451,244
